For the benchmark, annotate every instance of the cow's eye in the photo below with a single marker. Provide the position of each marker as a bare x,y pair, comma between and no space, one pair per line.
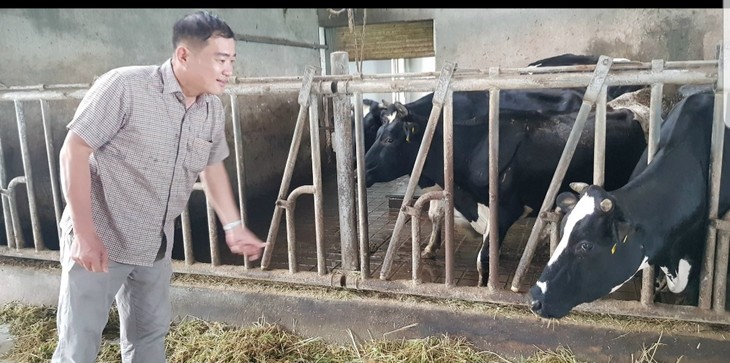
388,140
585,246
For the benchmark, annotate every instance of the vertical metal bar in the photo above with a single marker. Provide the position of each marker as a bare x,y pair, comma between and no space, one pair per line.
6,199
416,247
362,195
51,154
345,169
20,118
438,100
599,148
291,236
240,169
318,189
592,91
17,229
448,135
655,121
291,160
721,265
493,281
187,236
716,160
215,256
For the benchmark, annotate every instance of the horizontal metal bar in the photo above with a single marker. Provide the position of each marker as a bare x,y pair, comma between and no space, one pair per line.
277,41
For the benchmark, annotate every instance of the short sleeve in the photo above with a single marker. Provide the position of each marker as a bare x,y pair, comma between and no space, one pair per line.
102,111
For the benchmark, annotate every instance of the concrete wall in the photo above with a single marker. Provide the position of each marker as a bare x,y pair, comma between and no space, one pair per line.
58,46
62,46
481,38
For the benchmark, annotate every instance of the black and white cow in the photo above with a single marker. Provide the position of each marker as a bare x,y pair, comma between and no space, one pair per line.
470,106
530,147
659,217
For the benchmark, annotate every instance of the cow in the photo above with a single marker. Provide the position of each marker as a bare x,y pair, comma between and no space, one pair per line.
569,59
530,147
469,105
659,217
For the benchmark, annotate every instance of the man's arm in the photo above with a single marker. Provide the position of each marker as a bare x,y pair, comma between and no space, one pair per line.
218,190
86,249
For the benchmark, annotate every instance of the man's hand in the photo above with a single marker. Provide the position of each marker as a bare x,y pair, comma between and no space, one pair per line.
90,253
242,241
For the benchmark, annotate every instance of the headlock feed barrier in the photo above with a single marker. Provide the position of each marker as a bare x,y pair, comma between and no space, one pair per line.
342,90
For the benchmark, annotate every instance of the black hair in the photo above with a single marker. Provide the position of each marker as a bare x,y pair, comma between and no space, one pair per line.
198,27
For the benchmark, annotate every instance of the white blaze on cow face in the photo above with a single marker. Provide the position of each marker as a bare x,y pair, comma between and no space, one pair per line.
584,208
677,283
391,117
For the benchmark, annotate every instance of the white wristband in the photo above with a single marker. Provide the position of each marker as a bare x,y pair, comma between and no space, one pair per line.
229,226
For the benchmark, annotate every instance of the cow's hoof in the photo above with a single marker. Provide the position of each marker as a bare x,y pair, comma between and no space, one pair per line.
426,255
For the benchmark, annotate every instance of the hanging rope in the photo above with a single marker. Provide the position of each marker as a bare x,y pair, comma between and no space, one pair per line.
359,43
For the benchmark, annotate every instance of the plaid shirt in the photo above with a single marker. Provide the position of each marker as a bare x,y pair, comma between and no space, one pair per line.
148,152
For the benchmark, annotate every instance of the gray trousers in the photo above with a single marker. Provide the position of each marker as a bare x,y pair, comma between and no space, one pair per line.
85,298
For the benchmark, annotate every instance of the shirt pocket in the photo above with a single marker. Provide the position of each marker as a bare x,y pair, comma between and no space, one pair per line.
198,153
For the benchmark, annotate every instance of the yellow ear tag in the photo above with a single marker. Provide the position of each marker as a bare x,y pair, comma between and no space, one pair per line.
613,249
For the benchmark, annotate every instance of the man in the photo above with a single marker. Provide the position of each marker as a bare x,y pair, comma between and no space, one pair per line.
136,145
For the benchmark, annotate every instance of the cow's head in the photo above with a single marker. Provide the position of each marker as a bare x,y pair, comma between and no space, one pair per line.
396,144
595,256
371,121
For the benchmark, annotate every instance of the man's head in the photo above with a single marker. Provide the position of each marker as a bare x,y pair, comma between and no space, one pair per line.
205,50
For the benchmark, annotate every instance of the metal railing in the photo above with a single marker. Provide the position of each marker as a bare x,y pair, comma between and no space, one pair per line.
355,266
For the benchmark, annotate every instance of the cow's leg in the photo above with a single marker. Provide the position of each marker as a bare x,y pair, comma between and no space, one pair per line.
509,211
436,215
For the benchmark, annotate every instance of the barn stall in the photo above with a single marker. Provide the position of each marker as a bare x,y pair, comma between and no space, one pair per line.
329,231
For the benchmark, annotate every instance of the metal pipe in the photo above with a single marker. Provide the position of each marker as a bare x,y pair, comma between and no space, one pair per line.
721,266
5,199
317,190
291,160
362,195
18,238
493,281
592,91
448,205
277,41
290,206
215,255
715,173
187,235
30,190
51,154
240,169
504,81
438,101
599,132
655,121
345,169
716,160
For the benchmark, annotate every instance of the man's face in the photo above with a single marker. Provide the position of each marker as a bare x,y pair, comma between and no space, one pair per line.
212,65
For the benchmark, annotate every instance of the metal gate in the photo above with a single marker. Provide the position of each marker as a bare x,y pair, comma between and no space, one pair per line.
314,90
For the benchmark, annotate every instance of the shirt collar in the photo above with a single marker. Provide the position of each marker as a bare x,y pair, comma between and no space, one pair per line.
169,82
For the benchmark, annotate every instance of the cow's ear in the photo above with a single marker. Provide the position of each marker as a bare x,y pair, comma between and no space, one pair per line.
566,201
411,129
